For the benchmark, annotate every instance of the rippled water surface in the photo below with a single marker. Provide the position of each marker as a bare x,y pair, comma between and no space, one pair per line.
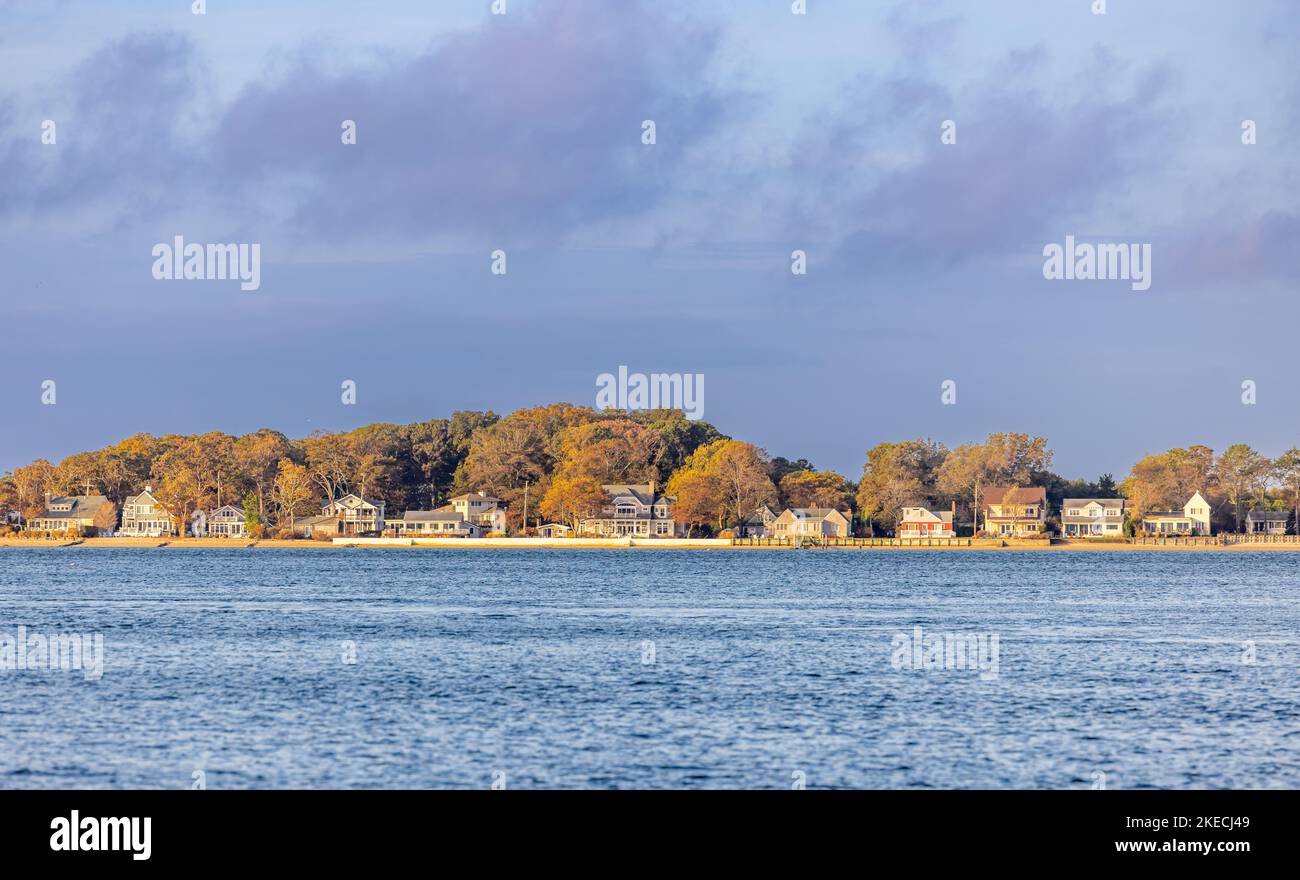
475,665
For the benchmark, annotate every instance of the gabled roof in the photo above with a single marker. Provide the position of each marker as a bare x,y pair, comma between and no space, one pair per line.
642,492
1267,516
431,516
1108,503
938,515
227,510
476,496
353,501
1022,495
82,506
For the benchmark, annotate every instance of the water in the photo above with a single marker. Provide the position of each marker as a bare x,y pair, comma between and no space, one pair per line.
767,664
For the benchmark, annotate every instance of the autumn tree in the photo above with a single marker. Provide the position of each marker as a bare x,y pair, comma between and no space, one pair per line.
292,491
898,474
802,488
572,499
1166,480
105,518
329,462
31,482
256,457
700,499
1240,473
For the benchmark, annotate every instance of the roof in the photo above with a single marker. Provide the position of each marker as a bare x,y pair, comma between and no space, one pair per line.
352,501
82,506
1083,502
477,496
811,512
941,515
431,516
1023,495
227,510
313,520
643,492
1267,516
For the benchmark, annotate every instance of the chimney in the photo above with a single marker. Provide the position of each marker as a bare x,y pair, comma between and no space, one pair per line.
652,490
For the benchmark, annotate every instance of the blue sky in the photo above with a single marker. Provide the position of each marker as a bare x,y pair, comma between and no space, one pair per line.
774,132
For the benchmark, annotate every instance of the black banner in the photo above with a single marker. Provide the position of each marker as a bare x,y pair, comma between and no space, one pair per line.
334,829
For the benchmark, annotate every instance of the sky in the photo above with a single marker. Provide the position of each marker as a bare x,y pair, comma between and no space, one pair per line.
774,132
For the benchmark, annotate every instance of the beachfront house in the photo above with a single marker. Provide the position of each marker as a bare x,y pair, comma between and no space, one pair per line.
227,521
441,523
918,521
1015,511
317,526
553,530
1266,522
758,524
634,510
356,516
825,522
63,512
144,517
480,508
1092,517
1193,520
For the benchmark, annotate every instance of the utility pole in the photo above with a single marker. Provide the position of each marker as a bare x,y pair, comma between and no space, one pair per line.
526,482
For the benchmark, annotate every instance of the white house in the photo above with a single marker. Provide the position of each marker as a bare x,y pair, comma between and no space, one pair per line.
227,521
758,524
356,515
441,523
481,509
1092,517
1194,519
144,517
826,522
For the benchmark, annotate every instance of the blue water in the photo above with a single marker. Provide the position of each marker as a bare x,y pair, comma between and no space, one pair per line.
528,667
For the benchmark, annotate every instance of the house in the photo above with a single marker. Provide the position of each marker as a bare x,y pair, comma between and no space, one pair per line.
318,527
1266,522
227,521
1194,519
633,509
922,522
479,508
356,515
758,524
144,517
1092,517
553,530
1015,511
826,522
63,512
441,523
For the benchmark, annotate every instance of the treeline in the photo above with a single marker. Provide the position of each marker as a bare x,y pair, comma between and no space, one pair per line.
560,455
1234,482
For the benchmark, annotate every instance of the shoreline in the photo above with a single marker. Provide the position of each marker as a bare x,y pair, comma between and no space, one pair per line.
978,545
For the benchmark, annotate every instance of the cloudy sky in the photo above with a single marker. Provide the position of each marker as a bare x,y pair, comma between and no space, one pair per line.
775,132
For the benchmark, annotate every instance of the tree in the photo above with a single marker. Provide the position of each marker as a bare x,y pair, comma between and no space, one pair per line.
898,474
802,488
965,472
256,457
31,482
608,451
77,474
105,518
1286,470
329,462
700,499
1166,480
292,491
252,514
1239,473
572,499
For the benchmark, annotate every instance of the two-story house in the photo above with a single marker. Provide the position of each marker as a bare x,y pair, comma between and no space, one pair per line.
481,509
1012,511
918,521
356,516
758,524
1092,517
1193,520
634,510
826,522
144,517
227,521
